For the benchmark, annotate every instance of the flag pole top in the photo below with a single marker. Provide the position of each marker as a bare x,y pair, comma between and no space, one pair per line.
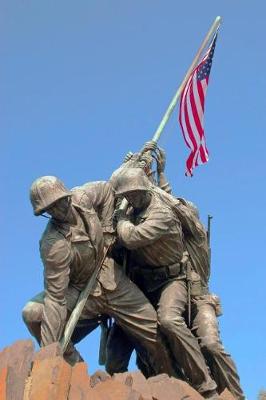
217,22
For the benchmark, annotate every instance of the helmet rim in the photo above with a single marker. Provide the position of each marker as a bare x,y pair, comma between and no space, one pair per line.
41,210
45,191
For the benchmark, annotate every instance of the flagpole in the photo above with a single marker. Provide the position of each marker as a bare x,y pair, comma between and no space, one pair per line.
172,105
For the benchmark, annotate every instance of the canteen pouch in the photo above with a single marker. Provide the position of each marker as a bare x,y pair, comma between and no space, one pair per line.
196,286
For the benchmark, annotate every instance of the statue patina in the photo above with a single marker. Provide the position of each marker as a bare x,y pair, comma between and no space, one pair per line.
167,259
202,308
71,245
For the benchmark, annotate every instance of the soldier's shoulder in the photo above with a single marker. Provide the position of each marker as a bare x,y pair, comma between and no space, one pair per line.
91,192
50,236
165,200
89,186
160,206
53,249
81,197
187,203
165,197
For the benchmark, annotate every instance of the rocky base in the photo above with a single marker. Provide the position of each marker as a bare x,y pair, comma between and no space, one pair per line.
44,375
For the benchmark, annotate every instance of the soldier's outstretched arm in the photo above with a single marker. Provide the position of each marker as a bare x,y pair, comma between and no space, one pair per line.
161,161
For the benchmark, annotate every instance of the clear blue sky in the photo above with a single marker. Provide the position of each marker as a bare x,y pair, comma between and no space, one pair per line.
83,82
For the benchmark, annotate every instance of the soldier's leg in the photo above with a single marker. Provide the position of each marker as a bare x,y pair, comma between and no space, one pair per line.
184,345
137,317
145,366
119,350
32,315
205,327
84,327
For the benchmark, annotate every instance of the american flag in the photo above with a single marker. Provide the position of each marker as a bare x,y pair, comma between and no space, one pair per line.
191,110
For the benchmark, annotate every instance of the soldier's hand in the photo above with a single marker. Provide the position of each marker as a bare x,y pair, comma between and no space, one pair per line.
119,214
149,146
145,161
109,239
161,160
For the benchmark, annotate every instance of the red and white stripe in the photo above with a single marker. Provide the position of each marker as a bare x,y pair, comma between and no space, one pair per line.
191,115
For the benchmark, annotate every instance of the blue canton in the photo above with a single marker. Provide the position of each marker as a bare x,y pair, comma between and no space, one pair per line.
205,68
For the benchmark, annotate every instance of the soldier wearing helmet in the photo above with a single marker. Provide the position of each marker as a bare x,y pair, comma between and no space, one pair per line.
152,232
71,246
205,306
45,192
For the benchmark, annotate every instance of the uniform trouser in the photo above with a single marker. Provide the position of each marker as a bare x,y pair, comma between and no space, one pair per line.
119,350
205,327
127,305
171,302
32,316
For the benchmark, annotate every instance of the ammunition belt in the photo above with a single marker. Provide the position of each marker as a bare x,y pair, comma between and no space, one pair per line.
160,273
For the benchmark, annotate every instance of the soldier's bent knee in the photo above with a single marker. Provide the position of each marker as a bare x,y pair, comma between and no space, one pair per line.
168,323
211,347
32,312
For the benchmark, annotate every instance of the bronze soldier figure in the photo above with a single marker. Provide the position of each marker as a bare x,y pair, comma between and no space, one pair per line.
205,307
153,234
70,247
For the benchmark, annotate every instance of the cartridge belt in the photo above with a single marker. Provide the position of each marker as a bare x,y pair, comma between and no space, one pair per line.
159,273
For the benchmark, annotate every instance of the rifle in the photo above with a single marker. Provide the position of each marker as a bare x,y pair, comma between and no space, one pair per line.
76,313
209,240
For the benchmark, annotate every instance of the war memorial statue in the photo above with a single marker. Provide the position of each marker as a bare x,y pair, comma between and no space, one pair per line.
160,302
128,255
201,307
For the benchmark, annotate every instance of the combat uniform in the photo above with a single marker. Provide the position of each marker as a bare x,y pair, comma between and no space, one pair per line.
206,306
154,236
70,254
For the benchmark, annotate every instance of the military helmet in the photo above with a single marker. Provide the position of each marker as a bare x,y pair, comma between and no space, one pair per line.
45,191
129,180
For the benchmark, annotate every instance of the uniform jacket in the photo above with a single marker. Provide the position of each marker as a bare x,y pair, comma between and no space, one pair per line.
154,235
70,254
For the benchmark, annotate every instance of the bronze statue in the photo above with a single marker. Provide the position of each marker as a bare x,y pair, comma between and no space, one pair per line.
167,258
71,244
153,234
204,306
